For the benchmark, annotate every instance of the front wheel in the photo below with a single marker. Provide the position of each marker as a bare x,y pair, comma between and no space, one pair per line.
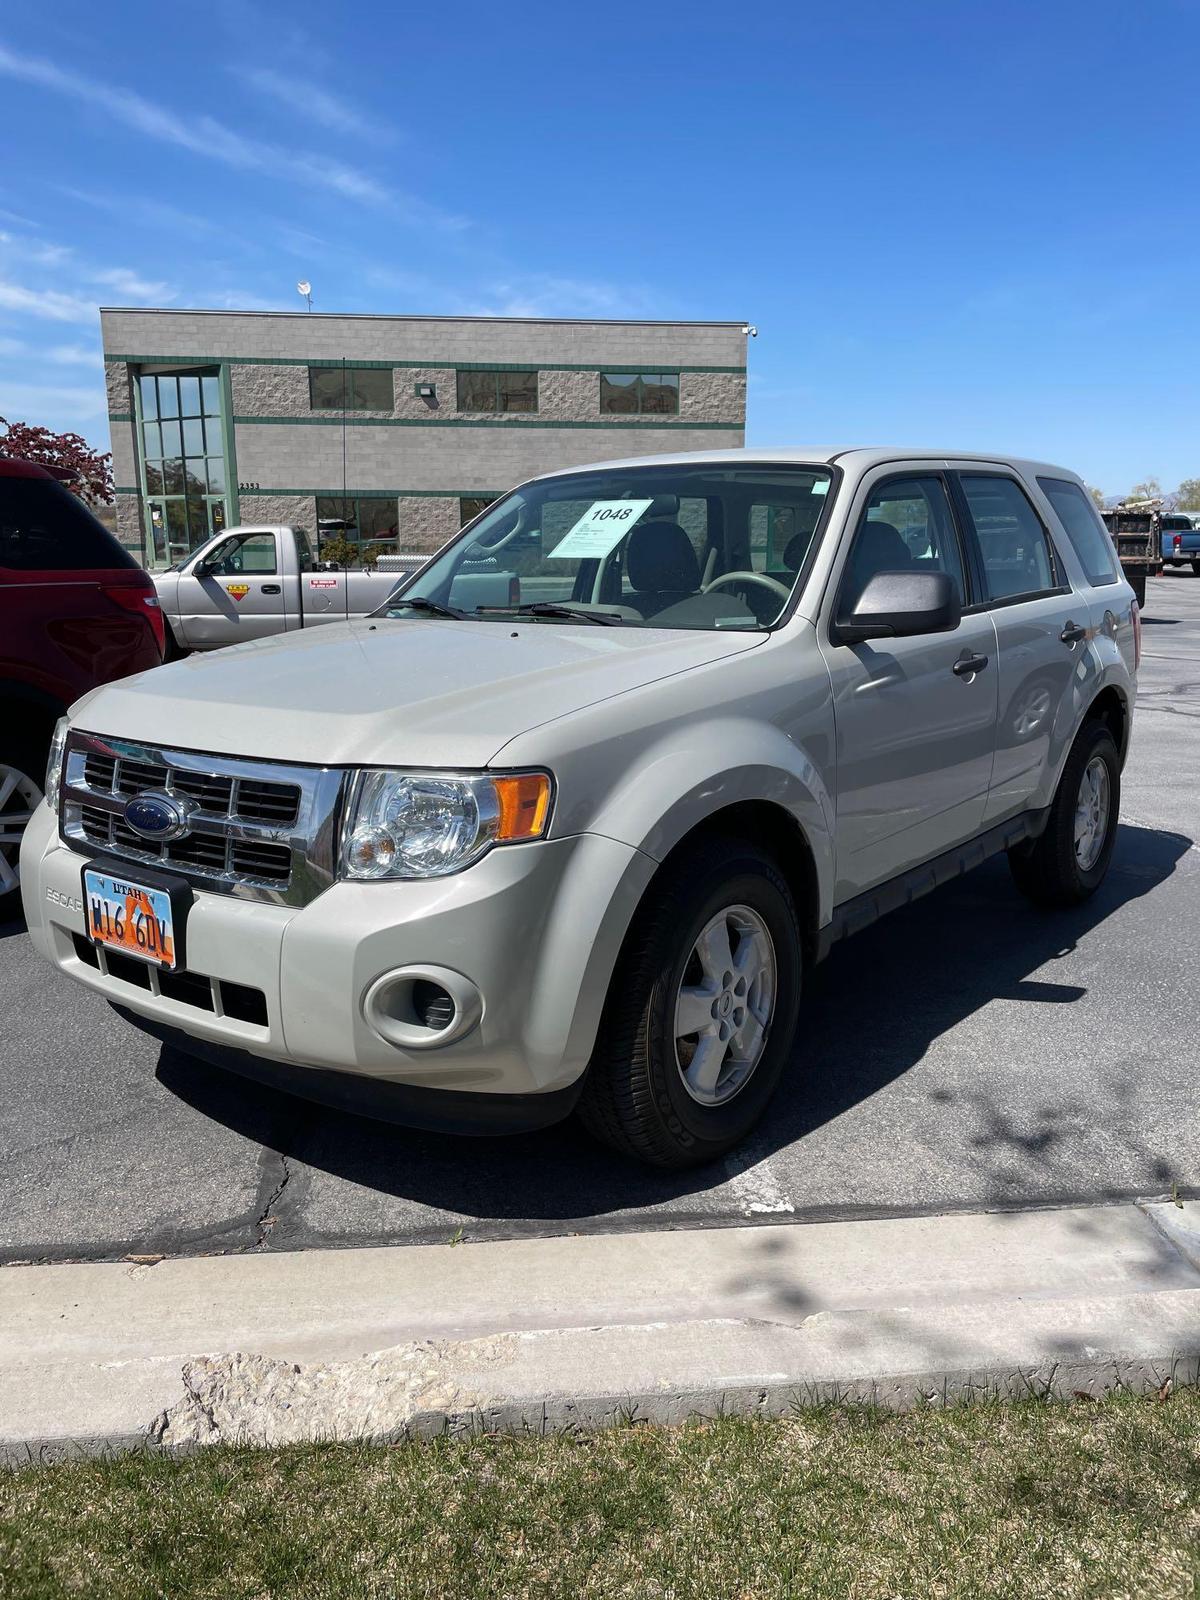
1068,863
1196,568
20,794
701,1013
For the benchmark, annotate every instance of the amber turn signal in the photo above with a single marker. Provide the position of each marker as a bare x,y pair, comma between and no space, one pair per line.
524,800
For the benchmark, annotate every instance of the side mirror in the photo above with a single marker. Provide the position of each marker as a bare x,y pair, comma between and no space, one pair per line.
204,569
897,605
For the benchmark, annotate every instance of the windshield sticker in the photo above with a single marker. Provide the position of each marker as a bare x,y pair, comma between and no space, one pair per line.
820,486
600,530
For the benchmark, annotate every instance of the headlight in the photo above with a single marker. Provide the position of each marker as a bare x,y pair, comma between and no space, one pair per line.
54,762
428,824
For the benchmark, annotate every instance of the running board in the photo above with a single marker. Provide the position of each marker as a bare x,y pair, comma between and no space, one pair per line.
855,915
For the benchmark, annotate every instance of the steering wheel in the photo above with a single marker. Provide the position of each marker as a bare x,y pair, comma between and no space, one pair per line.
748,577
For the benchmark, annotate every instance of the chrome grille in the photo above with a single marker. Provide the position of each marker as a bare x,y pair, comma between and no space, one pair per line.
253,823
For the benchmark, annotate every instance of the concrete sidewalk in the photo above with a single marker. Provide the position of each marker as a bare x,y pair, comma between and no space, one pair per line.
554,1333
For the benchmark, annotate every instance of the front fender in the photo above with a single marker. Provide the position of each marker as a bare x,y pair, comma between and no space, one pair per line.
684,778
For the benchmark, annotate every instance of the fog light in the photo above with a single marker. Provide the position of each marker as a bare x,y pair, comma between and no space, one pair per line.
420,1008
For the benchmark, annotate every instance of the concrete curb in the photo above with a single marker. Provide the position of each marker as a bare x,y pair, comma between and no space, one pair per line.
548,1335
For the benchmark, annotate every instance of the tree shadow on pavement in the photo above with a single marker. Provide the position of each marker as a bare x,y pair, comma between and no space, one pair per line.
873,1011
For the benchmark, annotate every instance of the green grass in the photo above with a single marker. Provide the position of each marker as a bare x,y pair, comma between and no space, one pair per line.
1025,1500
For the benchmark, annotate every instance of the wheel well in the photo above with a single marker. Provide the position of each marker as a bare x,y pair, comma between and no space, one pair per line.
28,713
1110,708
774,829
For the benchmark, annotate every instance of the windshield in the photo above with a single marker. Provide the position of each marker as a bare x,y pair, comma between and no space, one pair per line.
705,546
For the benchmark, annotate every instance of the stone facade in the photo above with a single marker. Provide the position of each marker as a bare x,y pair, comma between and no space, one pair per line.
410,404
269,391
118,388
130,524
292,511
712,396
426,523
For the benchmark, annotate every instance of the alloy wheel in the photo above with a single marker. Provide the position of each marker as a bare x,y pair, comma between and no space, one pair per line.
724,1005
19,796
1091,813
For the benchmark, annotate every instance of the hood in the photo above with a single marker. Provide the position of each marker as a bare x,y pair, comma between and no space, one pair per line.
414,692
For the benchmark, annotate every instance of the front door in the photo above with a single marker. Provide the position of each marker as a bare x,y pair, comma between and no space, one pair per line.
239,595
915,731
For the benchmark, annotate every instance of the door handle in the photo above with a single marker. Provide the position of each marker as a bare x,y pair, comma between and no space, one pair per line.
271,588
968,664
1072,633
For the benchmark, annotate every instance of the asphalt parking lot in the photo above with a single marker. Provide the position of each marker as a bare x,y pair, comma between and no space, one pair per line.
968,1052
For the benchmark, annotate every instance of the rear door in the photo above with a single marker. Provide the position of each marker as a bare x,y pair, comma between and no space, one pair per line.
1042,628
915,731
232,590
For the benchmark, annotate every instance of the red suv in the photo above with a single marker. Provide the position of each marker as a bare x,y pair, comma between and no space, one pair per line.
76,610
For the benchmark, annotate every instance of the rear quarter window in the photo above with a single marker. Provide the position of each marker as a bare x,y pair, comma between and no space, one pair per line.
1081,523
45,528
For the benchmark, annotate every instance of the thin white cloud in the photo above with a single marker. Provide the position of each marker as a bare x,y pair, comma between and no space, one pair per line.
310,102
545,296
50,304
205,136
35,252
130,285
11,347
74,355
30,402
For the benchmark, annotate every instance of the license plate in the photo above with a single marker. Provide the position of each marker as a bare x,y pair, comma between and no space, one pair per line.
134,918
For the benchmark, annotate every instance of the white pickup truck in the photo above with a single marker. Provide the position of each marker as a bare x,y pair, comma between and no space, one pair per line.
249,582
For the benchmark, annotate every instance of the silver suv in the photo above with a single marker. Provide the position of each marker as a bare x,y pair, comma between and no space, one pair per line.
568,824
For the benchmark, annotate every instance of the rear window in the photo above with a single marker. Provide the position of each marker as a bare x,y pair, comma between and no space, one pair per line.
1089,538
1016,557
45,528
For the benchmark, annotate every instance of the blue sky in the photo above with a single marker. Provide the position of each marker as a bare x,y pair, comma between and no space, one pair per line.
952,223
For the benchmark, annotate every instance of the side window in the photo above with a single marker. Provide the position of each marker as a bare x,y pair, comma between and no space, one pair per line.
1081,523
45,528
907,526
1012,541
255,553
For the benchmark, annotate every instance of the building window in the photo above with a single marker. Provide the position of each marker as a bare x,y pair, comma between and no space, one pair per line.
625,393
471,506
497,391
183,460
350,389
360,521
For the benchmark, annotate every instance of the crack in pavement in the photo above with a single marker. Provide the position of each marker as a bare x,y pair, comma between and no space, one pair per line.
265,1220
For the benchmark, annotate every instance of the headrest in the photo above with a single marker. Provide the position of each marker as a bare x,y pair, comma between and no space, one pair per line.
795,551
661,556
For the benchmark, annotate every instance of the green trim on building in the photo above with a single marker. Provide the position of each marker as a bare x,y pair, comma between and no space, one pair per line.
120,416
124,488
383,494
227,444
511,420
445,361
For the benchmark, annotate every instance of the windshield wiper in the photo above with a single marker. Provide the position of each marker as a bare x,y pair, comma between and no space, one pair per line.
434,608
550,608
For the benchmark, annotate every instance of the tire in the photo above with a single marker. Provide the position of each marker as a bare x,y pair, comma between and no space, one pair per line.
635,1096
1137,581
1053,870
1196,568
22,773
173,650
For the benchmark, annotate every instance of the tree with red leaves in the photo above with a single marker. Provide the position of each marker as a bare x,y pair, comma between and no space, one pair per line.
68,456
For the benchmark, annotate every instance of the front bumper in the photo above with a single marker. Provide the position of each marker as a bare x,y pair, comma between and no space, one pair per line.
536,928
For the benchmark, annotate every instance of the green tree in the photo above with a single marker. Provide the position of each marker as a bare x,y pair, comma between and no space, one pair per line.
67,456
1187,496
339,549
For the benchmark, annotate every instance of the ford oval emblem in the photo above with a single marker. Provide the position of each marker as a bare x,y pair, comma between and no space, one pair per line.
157,816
